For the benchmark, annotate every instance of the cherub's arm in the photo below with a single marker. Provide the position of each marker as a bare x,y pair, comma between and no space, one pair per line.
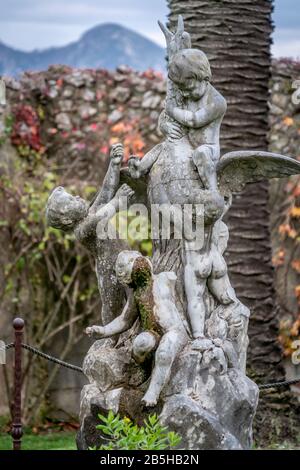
104,213
112,178
122,323
141,166
196,119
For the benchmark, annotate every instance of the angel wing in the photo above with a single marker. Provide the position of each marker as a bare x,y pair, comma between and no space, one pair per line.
235,169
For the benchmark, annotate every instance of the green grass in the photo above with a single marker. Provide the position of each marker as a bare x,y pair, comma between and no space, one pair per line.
66,441
49,441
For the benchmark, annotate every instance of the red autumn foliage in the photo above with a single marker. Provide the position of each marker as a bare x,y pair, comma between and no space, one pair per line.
26,128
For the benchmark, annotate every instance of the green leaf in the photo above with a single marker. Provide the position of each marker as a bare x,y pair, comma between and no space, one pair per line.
125,435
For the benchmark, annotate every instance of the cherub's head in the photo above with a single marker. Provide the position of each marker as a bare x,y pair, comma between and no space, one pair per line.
189,69
133,268
63,210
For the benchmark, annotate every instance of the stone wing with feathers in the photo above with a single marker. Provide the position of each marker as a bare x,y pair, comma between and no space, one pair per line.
236,169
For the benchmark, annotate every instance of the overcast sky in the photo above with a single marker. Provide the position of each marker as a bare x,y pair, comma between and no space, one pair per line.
31,24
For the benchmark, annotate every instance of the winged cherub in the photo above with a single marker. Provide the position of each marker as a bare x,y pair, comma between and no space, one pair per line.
186,169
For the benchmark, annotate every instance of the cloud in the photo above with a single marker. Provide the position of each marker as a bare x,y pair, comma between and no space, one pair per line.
28,24
31,24
286,43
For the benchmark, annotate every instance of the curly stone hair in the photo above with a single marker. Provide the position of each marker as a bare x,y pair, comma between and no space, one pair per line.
188,64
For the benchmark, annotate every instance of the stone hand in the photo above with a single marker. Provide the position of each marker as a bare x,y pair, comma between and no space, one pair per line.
174,130
117,153
218,342
124,191
95,331
122,195
133,166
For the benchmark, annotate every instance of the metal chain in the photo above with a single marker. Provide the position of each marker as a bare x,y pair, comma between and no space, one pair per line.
46,356
282,383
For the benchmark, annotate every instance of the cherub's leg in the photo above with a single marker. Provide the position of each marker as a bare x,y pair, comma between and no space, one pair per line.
170,345
143,345
205,162
196,271
222,289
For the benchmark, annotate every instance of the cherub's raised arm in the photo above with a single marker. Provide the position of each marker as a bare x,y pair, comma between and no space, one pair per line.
104,213
141,166
112,178
122,323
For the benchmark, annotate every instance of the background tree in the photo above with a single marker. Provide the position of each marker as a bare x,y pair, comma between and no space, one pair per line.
236,35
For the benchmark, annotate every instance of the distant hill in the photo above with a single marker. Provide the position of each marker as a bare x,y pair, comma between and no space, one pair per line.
104,46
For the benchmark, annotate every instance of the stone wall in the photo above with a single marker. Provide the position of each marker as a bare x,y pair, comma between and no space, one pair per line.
79,113
285,205
63,122
69,118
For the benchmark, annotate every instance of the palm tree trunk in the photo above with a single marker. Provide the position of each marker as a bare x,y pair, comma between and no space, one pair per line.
236,36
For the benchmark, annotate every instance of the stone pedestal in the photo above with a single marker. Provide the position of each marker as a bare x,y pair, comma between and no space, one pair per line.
207,409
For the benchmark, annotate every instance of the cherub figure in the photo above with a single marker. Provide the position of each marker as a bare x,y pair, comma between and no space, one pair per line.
201,111
206,269
163,329
186,169
72,213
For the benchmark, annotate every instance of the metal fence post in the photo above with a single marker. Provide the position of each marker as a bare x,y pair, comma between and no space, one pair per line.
16,431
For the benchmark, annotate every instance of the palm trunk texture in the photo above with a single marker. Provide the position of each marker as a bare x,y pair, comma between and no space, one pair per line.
236,36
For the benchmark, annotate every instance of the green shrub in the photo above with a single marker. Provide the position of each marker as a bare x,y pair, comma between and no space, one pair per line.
123,434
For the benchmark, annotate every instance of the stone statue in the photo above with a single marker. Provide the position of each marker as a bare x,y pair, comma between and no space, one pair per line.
180,340
72,213
163,330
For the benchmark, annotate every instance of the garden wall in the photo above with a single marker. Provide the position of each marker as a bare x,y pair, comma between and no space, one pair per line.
285,204
56,129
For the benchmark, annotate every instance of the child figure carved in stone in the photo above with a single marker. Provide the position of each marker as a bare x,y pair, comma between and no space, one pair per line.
163,329
202,110
72,213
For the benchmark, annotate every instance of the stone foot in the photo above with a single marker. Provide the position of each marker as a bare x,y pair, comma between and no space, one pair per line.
150,399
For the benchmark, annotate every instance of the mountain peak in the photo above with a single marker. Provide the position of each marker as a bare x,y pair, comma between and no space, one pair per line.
106,45
105,28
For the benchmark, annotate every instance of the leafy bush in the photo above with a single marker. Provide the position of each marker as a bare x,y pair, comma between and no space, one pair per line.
123,434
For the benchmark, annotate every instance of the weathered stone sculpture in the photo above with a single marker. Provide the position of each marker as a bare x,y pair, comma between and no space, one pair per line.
180,341
163,330
70,213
